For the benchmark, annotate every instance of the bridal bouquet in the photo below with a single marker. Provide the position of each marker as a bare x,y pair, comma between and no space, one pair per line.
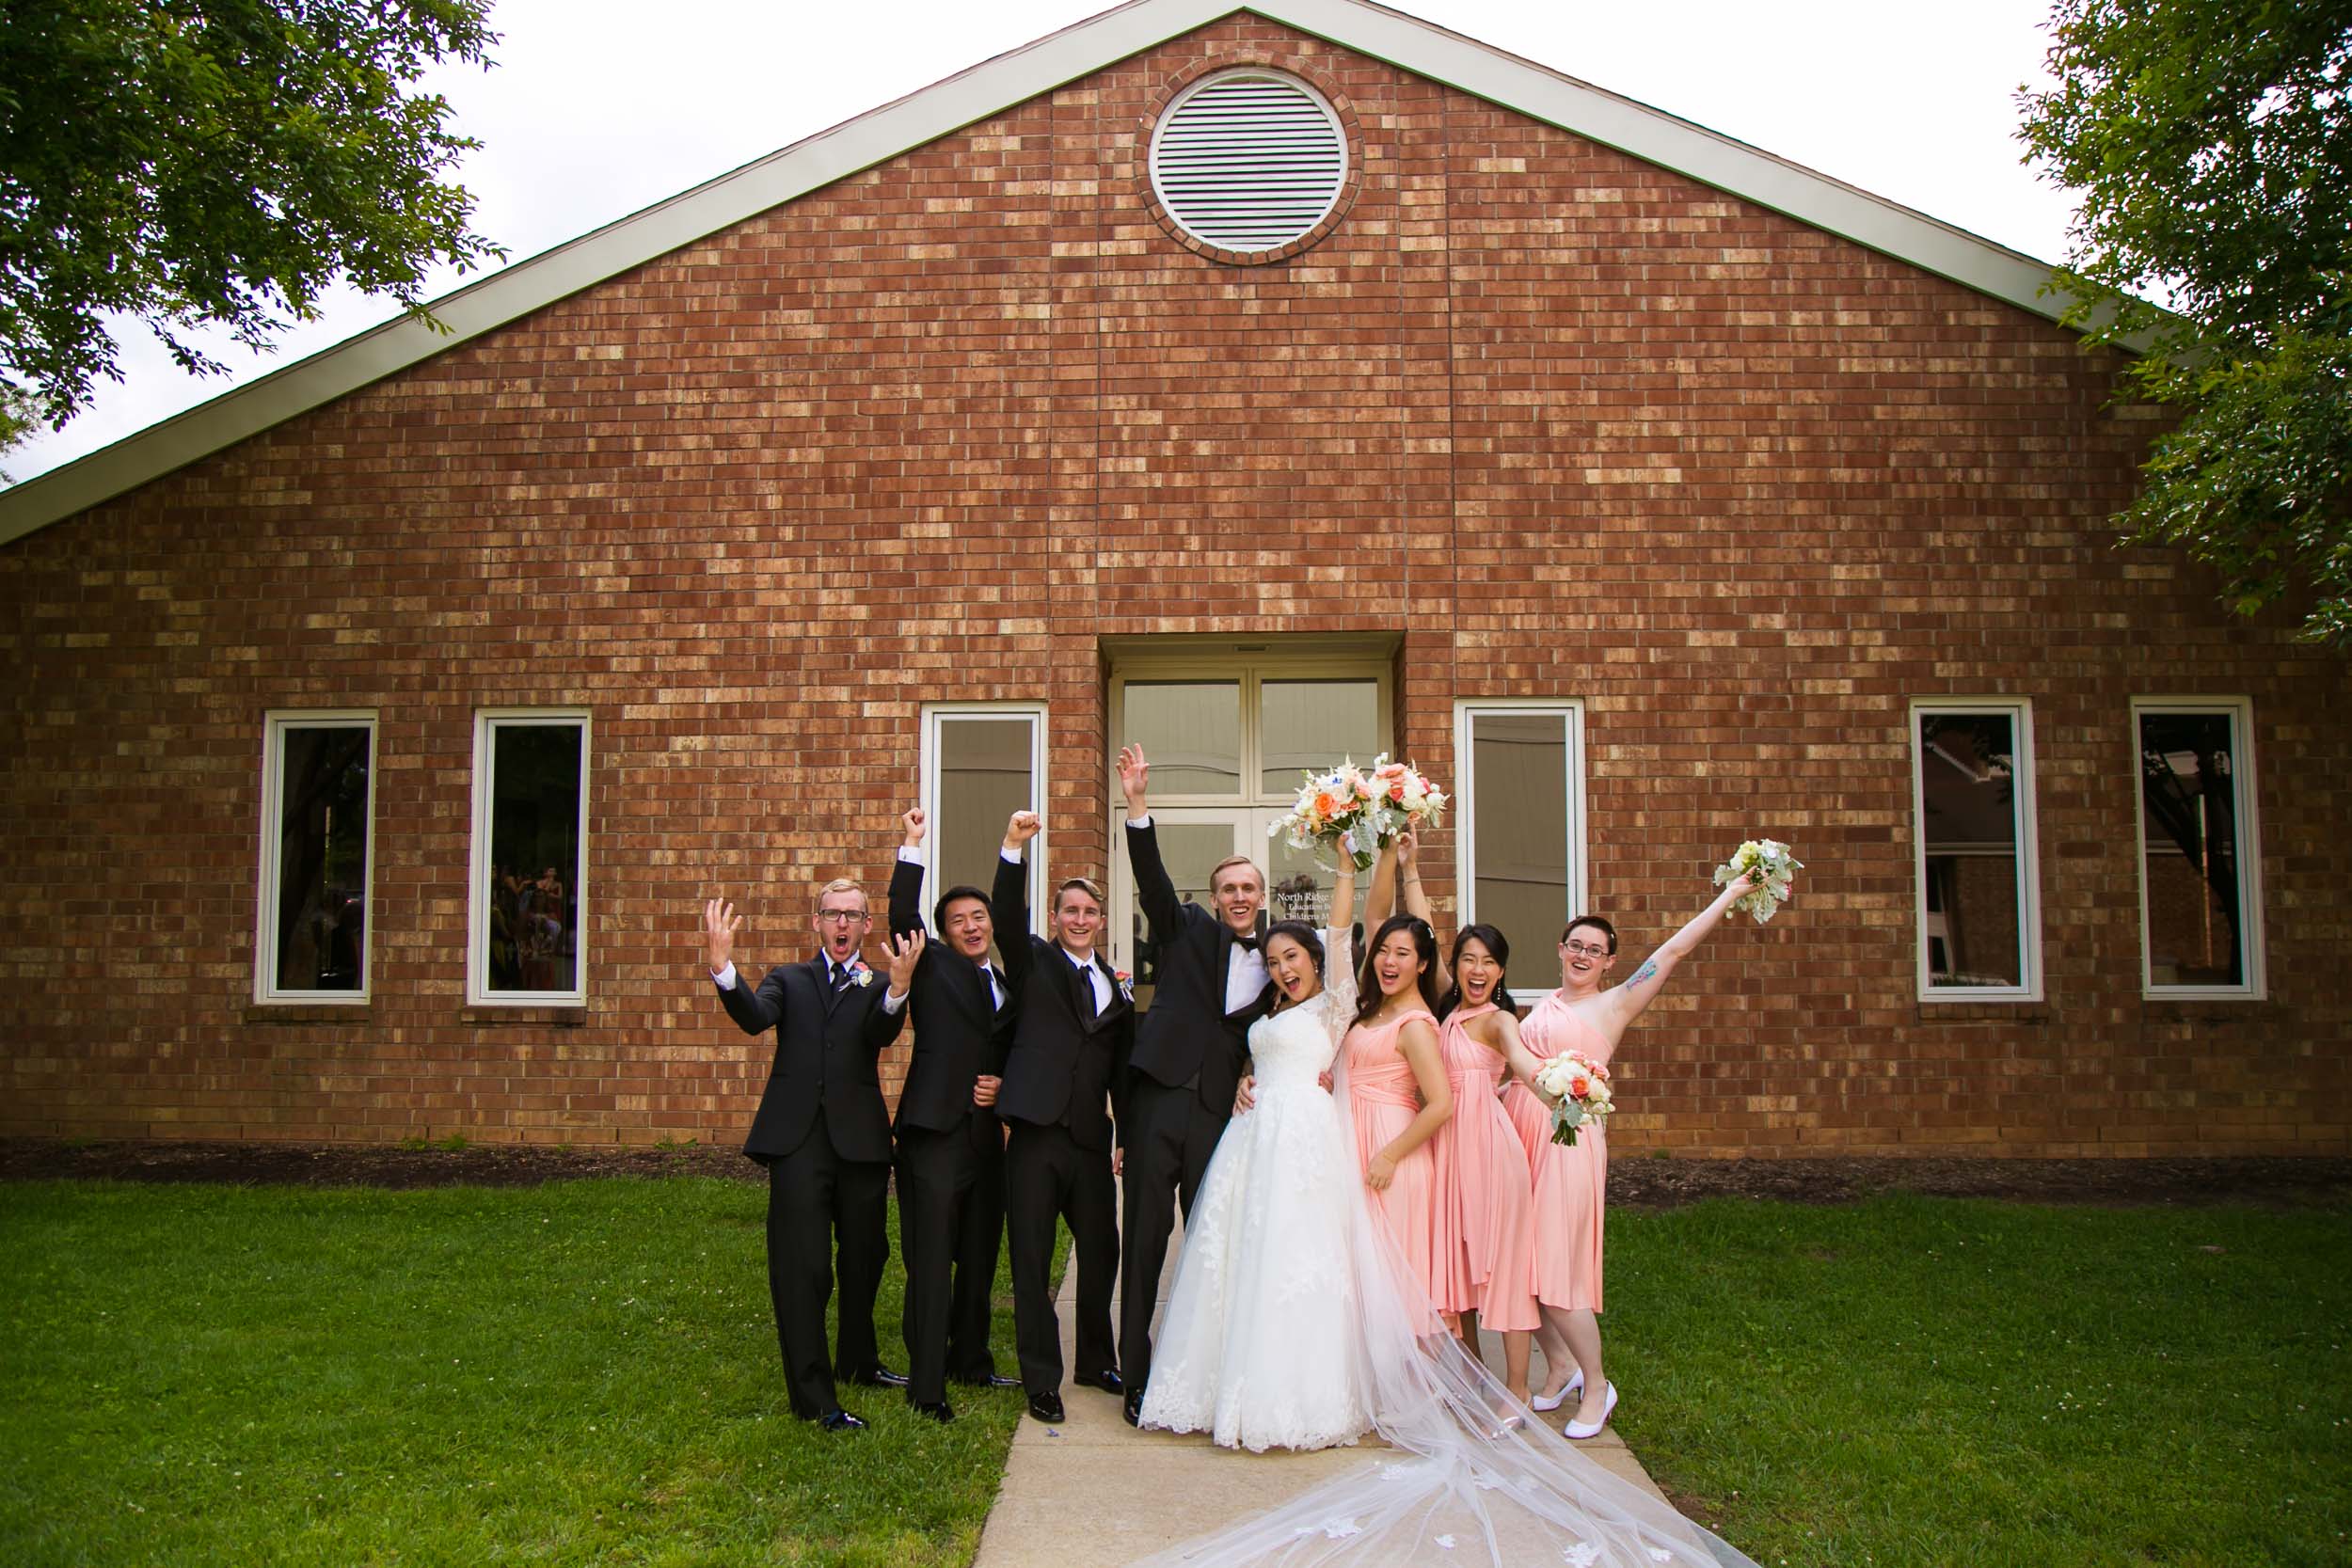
1775,870
1581,1088
1358,812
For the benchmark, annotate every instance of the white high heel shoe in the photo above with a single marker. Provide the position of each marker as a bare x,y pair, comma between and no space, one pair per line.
1580,1430
1553,1402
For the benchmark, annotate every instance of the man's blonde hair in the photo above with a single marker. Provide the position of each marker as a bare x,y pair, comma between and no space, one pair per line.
1086,885
1219,869
843,884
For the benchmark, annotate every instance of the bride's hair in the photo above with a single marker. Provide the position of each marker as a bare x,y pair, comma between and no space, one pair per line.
1424,948
1300,932
1496,943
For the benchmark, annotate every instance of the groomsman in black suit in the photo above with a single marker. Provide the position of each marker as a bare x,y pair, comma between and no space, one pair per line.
824,1135
951,1147
1065,1074
1190,1048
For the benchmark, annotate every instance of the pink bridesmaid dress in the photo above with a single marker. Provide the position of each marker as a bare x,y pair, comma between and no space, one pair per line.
1484,1224
1384,1097
1569,1181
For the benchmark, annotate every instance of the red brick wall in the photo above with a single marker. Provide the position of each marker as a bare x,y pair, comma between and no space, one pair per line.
1573,425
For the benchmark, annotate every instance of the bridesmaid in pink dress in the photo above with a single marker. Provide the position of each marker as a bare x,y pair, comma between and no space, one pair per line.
1570,1179
1483,1179
1398,1093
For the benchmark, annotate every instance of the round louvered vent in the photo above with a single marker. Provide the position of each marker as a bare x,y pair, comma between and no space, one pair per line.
1248,160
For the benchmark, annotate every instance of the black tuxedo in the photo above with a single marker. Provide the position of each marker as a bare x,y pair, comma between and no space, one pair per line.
1189,1056
824,1136
950,1158
1067,1067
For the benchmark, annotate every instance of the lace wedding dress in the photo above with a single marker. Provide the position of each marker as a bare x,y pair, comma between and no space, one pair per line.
1261,1346
1293,1323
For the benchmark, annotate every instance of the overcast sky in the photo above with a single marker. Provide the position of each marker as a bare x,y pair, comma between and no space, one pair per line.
596,109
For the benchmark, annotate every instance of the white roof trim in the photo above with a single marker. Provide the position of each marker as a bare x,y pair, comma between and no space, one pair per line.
985,90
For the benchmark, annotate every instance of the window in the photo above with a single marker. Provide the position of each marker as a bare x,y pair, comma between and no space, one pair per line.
1229,737
2199,863
1979,912
311,938
1520,817
529,888
981,763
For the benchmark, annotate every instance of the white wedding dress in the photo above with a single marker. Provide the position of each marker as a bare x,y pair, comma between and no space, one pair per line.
1293,1324
1261,1346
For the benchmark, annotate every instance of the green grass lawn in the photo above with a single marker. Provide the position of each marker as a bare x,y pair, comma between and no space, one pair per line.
586,1372
578,1372
1918,1380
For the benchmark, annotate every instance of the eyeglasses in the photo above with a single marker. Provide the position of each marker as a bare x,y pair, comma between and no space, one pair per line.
843,917
1580,950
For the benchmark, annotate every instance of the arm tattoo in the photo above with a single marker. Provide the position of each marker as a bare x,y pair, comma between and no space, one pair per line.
1646,972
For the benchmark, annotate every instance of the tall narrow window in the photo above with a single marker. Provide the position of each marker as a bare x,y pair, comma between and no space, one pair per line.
530,862
1519,815
2200,868
1980,916
980,765
312,940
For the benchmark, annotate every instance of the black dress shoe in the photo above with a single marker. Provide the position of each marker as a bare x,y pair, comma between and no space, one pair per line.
988,1381
878,1376
840,1420
1107,1381
940,1412
1047,1407
1133,1408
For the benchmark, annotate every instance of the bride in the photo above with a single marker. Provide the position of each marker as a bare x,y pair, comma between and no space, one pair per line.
1293,1323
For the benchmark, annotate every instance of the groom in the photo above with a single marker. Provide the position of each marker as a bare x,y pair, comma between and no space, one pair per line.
1189,1053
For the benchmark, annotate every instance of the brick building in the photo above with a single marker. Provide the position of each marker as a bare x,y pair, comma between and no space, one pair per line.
1263,384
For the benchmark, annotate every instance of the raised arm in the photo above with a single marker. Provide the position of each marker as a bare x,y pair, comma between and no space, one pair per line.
1417,902
1008,900
1628,1000
906,877
1155,890
754,1012
1380,898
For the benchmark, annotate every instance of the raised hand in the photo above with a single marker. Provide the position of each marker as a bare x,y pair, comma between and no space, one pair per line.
1135,778
720,924
904,951
917,825
1021,827
1408,846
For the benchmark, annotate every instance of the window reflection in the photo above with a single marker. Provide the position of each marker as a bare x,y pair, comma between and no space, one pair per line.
1191,731
1308,725
1519,811
322,859
2189,815
1969,796
533,928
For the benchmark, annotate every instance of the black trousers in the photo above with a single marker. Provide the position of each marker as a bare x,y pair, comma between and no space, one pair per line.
825,1217
1047,1175
1168,1144
951,1228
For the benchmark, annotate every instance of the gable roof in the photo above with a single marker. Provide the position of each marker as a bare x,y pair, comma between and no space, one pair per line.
988,88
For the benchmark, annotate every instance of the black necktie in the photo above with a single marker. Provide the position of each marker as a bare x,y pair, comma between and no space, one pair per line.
1088,1006
840,977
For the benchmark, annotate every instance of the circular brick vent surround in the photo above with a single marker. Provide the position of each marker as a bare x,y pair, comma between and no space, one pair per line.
1248,161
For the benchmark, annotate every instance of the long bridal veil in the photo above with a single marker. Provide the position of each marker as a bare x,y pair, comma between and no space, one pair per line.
1475,1475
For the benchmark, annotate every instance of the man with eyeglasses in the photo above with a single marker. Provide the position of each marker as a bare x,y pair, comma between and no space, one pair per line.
824,1135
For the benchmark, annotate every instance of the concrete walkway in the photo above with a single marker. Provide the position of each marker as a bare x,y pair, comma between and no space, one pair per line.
1093,1490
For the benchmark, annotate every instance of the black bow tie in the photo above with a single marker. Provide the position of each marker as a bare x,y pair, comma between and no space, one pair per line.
1248,944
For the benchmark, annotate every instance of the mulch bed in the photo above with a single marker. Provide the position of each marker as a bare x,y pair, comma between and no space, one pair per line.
1635,1182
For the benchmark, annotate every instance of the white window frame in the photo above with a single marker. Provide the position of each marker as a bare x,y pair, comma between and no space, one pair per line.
1465,832
1253,807
486,722
2250,865
275,723
933,714
2020,713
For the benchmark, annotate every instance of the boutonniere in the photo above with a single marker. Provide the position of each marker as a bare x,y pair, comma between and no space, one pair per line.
1126,982
860,975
